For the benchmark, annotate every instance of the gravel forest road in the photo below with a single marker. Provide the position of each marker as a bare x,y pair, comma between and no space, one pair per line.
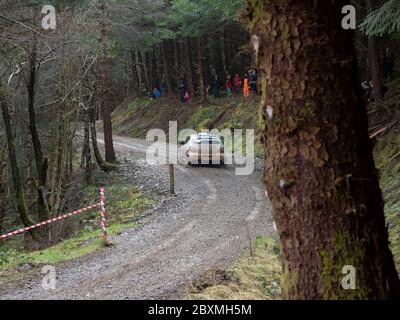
212,219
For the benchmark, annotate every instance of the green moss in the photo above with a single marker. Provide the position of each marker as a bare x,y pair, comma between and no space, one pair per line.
288,281
388,163
333,262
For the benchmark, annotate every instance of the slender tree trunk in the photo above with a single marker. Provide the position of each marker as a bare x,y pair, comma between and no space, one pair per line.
3,187
188,66
86,137
374,61
140,85
86,160
177,68
105,90
15,172
106,167
227,50
134,71
146,75
223,53
150,69
40,161
203,91
57,178
156,68
320,173
166,66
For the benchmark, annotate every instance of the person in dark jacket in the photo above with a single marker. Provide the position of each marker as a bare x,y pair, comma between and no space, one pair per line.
216,87
163,85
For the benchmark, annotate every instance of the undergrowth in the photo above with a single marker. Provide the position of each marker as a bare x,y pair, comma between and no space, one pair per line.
255,276
124,202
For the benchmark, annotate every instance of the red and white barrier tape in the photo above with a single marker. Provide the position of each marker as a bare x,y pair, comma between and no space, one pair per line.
103,215
68,215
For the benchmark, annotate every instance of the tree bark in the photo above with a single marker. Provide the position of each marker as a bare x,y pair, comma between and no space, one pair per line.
105,90
320,174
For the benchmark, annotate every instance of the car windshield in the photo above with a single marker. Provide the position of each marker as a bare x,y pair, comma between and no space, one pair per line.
207,139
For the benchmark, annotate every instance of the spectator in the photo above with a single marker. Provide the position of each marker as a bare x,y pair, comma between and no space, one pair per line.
371,97
216,87
237,83
163,85
187,97
229,87
253,77
246,87
155,94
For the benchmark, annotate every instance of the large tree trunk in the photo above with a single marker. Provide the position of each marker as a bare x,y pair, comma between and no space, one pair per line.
105,90
15,172
320,173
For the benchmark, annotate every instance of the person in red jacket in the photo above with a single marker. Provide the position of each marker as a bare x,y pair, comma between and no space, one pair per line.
237,83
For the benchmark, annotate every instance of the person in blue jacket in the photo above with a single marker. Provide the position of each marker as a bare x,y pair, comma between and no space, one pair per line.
155,94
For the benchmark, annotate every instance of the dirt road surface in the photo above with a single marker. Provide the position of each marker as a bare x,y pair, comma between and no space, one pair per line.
219,215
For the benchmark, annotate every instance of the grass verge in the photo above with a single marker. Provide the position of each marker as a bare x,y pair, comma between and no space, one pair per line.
124,203
255,276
